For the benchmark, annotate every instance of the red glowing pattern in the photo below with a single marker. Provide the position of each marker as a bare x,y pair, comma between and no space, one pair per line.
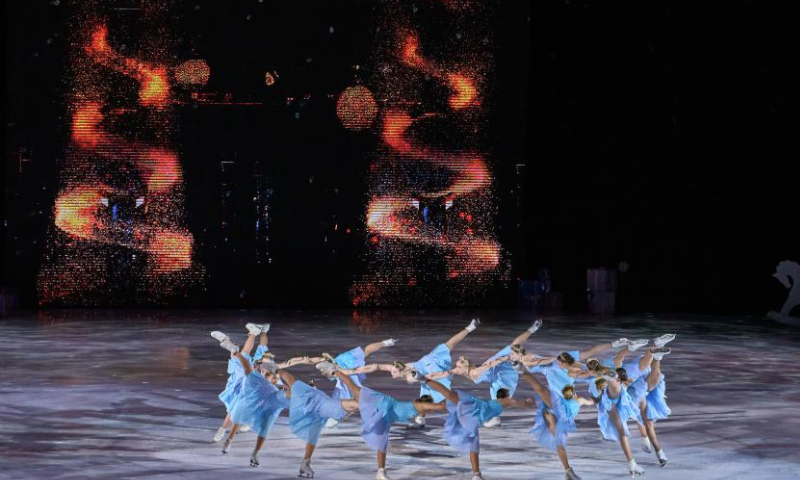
356,108
428,220
194,73
121,194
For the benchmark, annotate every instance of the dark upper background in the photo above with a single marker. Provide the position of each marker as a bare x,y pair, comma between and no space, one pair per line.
650,135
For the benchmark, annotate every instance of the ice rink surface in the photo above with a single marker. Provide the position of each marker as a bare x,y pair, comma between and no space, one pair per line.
133,394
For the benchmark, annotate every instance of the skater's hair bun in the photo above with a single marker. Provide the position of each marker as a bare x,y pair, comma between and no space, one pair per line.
568,392
517,348
464,359
566,358
593,364
503,393
600,383
622,374
425,399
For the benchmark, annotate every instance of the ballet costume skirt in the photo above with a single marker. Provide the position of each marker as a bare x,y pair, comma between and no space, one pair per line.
260,404
461,428
564,412
378,413
349,360
309,409
233,387
657,408
438,360
625,408
500,376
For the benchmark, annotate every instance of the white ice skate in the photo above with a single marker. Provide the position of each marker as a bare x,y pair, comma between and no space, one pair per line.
663,340
381,475
477,476
571,475
473,324
254,459
265,327
219,435
253,329
331,423
495,422
622,342
646,445
227,446
244,429
536,326
634,345
389,342
634,469
658,353
305,468
662,458
417,422
219,336
227,345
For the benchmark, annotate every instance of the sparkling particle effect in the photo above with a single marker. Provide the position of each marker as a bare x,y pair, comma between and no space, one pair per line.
119,233
429,218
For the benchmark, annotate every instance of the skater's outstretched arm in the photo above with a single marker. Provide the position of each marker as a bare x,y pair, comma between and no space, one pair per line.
530,360
514,403
293,361
373,367
476,373
437,375
446,392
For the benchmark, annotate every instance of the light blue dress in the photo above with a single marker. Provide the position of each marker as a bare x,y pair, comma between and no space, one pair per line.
438,360
309,409
564,412
625,408
657,408
656,403
260,405
233,387
500,376
349,360
557,377
461,428
378,413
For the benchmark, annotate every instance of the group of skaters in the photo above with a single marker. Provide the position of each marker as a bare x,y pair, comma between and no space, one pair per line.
624,377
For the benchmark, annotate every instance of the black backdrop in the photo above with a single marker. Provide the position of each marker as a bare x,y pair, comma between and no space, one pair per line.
650,134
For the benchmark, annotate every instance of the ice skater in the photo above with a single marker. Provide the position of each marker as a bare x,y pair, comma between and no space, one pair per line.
615,407
465,416
350,360
309,409
233,387
565,368
438,360
261,399
496,371
379,412
634,369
